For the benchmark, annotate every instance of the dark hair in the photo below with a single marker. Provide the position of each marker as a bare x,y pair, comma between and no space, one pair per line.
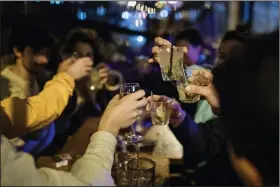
32,35
241,32
248,87
79,36
192,35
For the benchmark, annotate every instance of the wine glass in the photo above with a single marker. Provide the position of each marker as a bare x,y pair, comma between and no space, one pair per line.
126,89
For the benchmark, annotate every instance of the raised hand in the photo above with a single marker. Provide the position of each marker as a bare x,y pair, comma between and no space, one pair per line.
201,83
155,50
78,69
121,113
103,71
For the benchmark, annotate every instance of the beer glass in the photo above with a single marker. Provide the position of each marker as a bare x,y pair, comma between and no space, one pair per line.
141,172
174,58
181,84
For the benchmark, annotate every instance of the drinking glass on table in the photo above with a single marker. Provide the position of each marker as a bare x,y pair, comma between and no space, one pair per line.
120,161
141,172
126,89
181,84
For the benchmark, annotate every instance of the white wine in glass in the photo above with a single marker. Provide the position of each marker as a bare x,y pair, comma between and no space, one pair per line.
126,89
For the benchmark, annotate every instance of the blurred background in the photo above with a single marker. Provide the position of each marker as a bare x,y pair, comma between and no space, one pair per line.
125,29
130,25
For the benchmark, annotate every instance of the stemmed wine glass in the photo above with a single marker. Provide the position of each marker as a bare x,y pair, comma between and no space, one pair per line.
126,89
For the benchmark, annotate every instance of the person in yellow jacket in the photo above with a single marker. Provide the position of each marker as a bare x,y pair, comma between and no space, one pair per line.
38,111
94,168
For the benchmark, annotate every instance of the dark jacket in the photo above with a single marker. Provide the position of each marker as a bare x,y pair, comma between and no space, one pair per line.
206,142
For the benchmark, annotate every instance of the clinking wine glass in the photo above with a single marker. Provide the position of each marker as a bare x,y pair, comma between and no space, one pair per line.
131,137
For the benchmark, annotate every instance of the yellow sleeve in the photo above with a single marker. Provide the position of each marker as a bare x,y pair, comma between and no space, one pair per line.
17,116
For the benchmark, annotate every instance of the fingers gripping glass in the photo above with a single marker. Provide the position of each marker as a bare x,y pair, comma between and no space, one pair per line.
171,71
94,80
182,83
126,89
160,112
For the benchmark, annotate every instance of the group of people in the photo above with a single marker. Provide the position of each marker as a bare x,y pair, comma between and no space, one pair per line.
24,75
241,105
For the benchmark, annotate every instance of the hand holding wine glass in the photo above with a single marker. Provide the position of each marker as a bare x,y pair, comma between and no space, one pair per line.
122,112
127,89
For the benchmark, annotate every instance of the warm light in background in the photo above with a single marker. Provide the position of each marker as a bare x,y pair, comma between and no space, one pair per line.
172,2
131,3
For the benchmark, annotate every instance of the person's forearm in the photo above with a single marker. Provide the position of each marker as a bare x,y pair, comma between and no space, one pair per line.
38,111
94,168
